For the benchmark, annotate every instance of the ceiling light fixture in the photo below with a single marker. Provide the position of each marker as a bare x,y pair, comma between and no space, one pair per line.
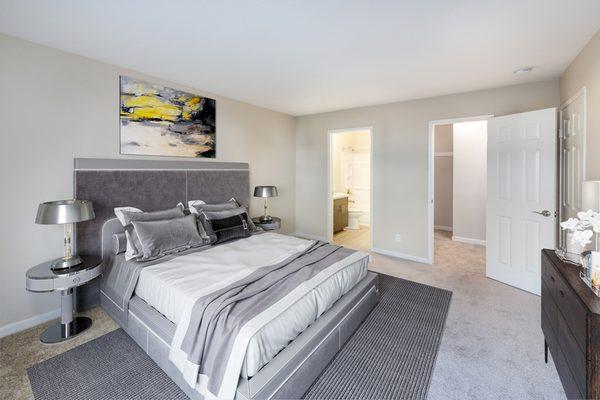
522,70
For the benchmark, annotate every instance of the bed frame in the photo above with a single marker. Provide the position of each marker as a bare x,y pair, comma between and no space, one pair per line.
152,185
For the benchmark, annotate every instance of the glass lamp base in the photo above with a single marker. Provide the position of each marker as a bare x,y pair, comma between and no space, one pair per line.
58,332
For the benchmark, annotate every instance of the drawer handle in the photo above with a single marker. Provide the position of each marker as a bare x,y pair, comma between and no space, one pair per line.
561,293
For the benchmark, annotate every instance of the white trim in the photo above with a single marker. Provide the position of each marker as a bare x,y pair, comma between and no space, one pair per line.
580,92
444,153
431,175
442,228
311,237
329,194
28,323
560,164
468,240
403,256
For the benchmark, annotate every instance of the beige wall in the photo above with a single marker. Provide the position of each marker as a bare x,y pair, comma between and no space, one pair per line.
55,106
470,181
585,71
442,214
400,136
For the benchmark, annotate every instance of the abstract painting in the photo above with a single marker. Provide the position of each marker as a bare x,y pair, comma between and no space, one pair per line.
157,120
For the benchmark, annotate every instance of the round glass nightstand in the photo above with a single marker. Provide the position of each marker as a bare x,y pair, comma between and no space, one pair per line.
42,278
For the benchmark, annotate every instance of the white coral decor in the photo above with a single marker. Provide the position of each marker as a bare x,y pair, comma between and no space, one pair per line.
583,227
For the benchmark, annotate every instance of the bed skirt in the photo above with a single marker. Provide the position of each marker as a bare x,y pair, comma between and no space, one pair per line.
290,373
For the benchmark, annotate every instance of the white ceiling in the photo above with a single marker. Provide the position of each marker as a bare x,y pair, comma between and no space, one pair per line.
309,56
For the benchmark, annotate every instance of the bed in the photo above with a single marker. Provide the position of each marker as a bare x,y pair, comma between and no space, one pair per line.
280,350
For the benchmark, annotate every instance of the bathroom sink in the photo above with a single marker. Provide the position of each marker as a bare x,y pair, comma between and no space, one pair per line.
339,195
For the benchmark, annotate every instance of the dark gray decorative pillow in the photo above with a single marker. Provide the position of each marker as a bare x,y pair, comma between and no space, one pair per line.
198,207
127,215
119,243
167,236
225,225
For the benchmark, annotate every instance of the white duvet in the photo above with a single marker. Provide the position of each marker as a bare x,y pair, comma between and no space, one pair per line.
177,282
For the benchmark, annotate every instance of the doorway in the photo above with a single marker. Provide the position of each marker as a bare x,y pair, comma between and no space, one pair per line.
458,181
520,202
350,211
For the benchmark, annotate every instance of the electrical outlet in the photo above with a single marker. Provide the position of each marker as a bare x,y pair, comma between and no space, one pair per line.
397,237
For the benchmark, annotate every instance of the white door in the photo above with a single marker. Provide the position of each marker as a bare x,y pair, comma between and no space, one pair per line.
572,146
521,201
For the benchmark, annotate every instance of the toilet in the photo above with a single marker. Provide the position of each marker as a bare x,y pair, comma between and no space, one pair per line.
353,219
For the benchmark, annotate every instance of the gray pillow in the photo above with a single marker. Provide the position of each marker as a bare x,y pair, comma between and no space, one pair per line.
167,236
198,206
225,225
119,243
130,216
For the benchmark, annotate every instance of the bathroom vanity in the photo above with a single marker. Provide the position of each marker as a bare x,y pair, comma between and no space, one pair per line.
340,212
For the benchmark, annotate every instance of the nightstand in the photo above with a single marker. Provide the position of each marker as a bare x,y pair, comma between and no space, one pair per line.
274,224
42,278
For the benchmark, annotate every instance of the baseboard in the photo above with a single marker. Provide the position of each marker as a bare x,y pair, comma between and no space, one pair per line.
396,254
443,228
311,237
28,323
468,240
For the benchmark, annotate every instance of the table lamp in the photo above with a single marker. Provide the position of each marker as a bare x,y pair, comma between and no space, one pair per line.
265,192
66,212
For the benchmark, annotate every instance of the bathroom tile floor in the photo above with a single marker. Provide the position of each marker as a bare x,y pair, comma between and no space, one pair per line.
357,239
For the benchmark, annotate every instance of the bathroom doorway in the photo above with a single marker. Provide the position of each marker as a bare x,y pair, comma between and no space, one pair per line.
350,195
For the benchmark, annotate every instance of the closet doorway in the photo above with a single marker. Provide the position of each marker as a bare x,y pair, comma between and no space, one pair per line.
459,182
349,202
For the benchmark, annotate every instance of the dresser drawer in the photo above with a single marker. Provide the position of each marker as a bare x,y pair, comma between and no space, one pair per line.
549,313
549,277
564,372
575,358
572,310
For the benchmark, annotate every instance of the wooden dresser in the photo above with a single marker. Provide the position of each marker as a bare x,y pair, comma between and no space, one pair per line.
571,326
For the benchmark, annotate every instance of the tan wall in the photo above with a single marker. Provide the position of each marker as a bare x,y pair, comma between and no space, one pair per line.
442,215
55,106
585,71
400,136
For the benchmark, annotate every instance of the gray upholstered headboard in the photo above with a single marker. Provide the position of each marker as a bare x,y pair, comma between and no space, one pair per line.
148,185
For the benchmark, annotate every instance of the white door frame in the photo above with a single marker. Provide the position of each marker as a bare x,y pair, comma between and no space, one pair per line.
560,165
431,175
329,193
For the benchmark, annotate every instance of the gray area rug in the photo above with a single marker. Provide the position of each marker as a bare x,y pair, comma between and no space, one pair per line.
391,355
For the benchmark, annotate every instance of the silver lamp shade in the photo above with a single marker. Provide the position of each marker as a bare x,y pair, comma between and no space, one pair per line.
65,212
265,192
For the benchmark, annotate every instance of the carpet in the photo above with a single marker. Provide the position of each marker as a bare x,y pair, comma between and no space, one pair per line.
391,355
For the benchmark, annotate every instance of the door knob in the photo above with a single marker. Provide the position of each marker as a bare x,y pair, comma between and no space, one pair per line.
545,213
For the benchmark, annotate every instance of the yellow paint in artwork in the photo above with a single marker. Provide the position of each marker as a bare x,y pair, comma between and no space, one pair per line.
150,107
189,107
192,101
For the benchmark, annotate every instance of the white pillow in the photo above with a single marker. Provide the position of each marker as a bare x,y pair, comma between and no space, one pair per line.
192,204
129,249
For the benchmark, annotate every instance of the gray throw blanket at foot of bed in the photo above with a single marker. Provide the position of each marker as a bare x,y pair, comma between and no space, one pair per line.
217,318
